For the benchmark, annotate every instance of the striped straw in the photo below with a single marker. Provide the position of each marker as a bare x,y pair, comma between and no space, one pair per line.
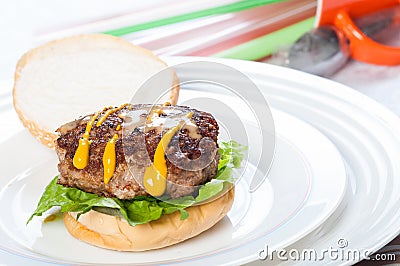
229,8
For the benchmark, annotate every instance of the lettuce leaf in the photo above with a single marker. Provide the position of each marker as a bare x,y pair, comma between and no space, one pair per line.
141,209
231,153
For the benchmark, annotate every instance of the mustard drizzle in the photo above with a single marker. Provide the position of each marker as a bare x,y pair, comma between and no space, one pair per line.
109,159
81,157
109,112
155,174
154,179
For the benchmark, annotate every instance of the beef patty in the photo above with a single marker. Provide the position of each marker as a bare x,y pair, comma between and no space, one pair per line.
191,161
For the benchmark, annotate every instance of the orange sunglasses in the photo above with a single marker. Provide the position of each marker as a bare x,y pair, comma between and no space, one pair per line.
341,14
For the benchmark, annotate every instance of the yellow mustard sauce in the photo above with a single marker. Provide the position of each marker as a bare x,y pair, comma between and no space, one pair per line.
81,157
109,158
109,112
154,180
53,217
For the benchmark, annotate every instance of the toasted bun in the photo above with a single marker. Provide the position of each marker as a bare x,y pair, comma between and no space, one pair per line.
64,79
110,232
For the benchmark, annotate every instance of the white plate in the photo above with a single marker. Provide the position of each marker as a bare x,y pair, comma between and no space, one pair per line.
306,184
367,136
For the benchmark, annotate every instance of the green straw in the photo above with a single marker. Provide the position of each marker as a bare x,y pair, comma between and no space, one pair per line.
230,8
268,44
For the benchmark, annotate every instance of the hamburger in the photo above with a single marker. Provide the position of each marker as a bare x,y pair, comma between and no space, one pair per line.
143,181
122,185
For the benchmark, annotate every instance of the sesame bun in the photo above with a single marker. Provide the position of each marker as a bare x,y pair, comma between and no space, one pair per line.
63,79
111,232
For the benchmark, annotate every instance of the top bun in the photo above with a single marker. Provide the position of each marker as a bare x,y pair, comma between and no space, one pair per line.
64,79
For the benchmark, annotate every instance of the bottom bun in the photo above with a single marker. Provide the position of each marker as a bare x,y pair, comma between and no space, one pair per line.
111,232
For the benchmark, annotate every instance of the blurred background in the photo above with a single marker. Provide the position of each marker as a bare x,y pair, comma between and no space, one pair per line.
226,28
270,31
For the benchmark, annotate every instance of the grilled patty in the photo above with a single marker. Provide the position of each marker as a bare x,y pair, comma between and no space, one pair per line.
189,163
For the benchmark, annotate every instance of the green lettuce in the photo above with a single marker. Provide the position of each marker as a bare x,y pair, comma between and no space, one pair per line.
142,209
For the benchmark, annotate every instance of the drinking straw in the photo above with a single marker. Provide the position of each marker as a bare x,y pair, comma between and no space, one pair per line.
224,9
268,44
258,25
209,35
